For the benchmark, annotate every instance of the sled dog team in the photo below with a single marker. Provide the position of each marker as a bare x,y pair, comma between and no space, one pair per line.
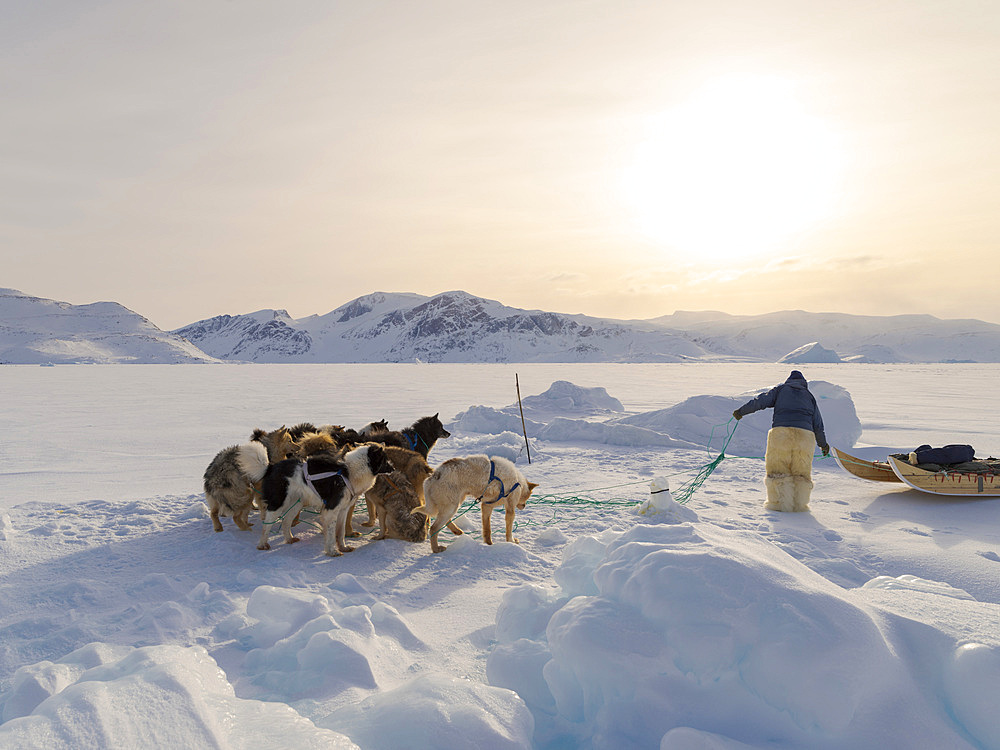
326,470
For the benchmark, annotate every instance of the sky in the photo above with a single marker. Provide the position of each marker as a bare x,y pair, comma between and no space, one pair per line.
621,159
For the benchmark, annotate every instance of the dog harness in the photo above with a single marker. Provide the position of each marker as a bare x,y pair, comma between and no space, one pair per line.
495,478
324,475
392,484
412,441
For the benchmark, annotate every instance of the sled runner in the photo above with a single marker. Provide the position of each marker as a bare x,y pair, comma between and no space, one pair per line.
875,471
952,482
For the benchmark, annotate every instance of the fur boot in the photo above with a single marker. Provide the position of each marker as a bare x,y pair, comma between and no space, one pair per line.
802,490
780,492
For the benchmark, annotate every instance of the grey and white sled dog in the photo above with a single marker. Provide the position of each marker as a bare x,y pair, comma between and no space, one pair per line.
328,483
228,490
494,481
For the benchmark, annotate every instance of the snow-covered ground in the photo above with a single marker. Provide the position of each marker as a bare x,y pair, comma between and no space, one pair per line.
870,622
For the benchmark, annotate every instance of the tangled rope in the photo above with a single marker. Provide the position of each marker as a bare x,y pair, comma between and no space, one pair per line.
686,490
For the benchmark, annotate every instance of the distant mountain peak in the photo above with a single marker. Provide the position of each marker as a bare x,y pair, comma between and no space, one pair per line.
36,330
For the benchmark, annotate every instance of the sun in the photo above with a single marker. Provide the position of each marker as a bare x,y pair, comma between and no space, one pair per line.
733,171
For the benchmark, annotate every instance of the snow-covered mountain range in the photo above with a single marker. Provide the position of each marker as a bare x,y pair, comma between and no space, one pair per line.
449,327
852,338
459,327
34,330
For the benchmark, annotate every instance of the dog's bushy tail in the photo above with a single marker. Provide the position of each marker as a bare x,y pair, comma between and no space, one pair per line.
252,460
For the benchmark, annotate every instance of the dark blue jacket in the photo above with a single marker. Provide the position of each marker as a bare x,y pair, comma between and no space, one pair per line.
794,406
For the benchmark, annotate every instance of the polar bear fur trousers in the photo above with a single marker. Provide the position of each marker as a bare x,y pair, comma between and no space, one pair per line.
788,463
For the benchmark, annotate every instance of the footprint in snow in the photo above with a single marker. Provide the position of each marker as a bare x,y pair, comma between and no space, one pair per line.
990,555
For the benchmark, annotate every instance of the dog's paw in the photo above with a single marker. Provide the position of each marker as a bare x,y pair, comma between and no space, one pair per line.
332,553
265,545
293,540
353,534
345,548
367,523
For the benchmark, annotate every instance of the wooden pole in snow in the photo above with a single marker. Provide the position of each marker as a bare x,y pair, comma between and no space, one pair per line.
521,408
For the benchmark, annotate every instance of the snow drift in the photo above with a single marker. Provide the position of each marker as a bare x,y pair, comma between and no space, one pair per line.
696,422
687,626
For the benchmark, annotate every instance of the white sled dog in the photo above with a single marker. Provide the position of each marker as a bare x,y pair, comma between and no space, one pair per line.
494,481
328,482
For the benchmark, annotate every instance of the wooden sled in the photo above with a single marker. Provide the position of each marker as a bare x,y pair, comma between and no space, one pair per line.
875,471
954,483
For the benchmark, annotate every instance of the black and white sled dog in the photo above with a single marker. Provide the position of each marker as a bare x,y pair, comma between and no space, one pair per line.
329,483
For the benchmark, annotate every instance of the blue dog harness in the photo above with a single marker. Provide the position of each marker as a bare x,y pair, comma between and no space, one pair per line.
495,478
412,441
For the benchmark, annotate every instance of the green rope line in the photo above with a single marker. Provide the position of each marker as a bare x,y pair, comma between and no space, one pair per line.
559,505
612,487
301,519
686,490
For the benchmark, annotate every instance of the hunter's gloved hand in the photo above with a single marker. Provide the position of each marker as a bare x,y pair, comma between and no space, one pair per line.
737,414
826,450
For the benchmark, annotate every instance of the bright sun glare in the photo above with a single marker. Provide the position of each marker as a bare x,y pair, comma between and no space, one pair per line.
733,171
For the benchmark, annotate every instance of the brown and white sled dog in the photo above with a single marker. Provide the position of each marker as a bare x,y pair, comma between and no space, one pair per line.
414,467
280,443
228,490
329,483
395,495
311,443
493,481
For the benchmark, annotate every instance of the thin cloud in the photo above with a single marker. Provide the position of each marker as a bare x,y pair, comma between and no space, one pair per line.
565,278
